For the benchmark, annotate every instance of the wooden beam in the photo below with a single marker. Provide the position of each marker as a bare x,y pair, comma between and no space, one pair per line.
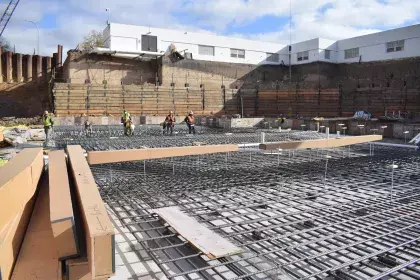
100,237
61,208
11,238
207,241
38,256
320,143
154,153
18,181
78,269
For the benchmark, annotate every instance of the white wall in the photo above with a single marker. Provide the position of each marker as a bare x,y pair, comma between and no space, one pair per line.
128,38
372,47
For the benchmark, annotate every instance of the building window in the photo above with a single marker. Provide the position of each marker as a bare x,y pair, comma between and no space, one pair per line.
206,50
272,57
327,54
395,46
237,53
351,53
303,56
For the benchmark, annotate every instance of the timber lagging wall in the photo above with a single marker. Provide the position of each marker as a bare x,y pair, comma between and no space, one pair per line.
99,85
71,99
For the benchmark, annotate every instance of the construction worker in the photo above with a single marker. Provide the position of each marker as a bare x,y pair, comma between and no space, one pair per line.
129,128
169,123
48,123
88,128
124,120
190,121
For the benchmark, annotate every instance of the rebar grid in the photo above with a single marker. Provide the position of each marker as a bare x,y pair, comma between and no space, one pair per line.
112,137
297,215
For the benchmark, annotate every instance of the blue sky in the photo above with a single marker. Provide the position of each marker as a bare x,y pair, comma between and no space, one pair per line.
67,21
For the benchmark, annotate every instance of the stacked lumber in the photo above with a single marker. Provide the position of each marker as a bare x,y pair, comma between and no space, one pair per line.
18,184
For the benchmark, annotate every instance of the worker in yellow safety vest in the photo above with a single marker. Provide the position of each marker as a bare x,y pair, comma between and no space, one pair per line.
125,119
48,123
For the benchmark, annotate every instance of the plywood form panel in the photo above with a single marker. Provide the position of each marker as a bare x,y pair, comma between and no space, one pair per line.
208,242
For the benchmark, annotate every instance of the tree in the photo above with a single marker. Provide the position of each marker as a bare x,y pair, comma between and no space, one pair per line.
95,39
5,45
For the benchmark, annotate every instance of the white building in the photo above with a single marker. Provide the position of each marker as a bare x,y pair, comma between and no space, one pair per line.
140,41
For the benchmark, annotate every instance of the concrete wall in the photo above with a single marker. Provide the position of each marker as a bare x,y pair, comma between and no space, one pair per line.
100,69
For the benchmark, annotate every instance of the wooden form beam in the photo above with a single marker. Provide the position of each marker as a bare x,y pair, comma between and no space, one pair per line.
18,181
11,238
38,256
78,269
320,143
155,153
100,237
61,208
208,242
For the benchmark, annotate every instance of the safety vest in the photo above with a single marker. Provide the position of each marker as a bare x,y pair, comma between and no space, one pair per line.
126,116
46,120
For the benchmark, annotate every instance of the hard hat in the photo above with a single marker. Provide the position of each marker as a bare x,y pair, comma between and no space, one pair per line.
191,112
46,113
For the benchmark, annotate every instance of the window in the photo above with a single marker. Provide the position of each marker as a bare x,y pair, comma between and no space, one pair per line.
303,56
149,43
237,53
395,46
272,57
327,54
206,50
351,53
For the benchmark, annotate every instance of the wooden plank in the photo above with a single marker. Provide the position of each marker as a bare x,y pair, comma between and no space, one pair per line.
61,209
320,143
208,242
100,237
38,256
18,181
101,157
11,239
78,269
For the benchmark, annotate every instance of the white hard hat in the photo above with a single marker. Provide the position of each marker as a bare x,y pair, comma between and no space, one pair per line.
46,112
191,112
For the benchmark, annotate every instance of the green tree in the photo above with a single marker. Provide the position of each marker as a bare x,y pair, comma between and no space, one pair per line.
5,45
95,39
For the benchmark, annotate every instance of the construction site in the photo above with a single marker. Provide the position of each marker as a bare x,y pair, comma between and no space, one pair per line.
277,168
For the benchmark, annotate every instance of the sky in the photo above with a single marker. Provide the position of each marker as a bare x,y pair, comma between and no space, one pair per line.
66,22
